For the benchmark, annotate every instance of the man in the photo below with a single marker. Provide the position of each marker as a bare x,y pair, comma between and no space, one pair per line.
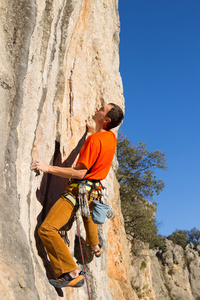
93,165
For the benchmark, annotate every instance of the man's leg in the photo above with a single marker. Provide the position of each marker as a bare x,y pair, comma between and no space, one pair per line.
59,255
92,232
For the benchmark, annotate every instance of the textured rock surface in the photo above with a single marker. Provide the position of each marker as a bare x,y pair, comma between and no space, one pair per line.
142,276
59,60
170,274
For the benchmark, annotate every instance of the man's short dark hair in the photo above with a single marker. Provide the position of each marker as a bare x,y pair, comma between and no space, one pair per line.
116,115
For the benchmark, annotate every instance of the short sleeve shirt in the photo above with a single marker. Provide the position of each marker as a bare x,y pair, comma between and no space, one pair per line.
98,152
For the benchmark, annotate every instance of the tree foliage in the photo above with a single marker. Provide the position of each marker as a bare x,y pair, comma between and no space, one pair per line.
184,237
139,218
194,236
137,183
137,166
179,237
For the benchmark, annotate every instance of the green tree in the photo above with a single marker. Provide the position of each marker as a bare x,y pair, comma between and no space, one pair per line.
179,237
194,236
137,182
139,219
137,167
184,237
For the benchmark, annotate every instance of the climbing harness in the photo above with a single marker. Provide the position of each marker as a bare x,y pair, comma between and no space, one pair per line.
84,268
100,210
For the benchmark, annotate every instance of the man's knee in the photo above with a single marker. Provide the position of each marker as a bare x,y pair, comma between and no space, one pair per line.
41,231
45,230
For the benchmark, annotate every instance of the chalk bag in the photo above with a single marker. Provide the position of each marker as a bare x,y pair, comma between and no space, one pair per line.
99,212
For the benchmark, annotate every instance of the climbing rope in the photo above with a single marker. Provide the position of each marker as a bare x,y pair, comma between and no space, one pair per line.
84,268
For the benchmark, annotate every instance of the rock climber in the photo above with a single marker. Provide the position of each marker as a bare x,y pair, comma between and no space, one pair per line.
93,164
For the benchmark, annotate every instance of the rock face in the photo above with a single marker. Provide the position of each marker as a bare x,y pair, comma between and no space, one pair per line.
59,60
170,274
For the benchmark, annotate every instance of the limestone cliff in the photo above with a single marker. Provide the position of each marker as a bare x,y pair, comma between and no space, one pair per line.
171,274
59,60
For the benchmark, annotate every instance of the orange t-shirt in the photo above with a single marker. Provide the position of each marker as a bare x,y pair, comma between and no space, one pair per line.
99,148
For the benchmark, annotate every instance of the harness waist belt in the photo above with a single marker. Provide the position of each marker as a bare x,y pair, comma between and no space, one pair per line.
87,181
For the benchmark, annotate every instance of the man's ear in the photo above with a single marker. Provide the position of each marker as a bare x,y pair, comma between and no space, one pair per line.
107,120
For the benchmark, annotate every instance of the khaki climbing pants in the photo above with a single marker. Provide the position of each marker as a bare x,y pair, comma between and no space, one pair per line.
58,252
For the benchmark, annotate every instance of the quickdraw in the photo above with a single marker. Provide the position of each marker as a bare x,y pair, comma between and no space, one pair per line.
110,214
83,202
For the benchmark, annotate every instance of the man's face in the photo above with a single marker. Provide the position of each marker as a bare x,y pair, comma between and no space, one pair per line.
101,112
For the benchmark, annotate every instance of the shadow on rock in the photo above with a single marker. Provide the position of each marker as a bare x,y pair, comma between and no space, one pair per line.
87,251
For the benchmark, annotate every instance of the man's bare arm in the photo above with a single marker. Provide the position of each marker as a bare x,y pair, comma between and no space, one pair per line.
77,172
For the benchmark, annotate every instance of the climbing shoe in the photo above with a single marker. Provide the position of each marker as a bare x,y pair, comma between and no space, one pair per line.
67,281
98,252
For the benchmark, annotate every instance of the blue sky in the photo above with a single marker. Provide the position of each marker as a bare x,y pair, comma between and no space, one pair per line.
160,69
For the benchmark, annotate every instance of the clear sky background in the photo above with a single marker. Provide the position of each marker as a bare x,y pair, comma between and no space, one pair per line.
160,69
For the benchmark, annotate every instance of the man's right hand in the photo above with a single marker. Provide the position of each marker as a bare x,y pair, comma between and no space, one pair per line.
90,128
